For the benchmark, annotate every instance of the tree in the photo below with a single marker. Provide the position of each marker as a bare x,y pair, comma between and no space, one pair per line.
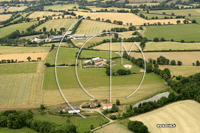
198,98
113,117
179,63
156,39
173,62
197,63
189,15
117,102
149,68
29,58
162,39
172,14
38,18
91,126
185,21
116,35
137,127
194,21
182,41
178,21
142,45
42,107
44,29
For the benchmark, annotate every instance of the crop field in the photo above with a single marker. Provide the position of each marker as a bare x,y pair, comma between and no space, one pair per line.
183,12
43,13
109,8
64,44
185,114
23,56
21,68
61,7
83,125
13,9
96,82
116,46
23,130
5,17
15,50
189,32
113,128
155,15
127,18
181,70
21,90
66,23
9,29
187,58
171,45
92,27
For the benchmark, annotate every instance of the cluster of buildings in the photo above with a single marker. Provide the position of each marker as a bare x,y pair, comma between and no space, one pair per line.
93,104
96,61
69,110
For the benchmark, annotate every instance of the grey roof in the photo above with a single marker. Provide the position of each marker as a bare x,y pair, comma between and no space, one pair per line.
57,37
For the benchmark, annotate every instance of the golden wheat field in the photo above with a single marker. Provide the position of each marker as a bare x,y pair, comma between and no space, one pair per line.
23,56
185,114
13,9
127,18
187,58
43,13
5,17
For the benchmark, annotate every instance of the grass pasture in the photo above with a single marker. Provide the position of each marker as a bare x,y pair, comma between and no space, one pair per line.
15,50
9,29
66,23
187,58
43,13
155,15
21,90
196,18
185,114
5,17
181,70
114,128
61,7
13,9
92,27
189,32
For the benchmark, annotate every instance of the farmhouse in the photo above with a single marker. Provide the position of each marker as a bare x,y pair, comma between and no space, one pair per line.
91,105
56,38
107,106
96,61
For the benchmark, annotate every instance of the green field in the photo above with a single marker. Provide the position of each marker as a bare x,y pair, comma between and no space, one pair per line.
190,32
65,55
61,7
9,29
196,18
117,65
15,50
23,130
184,12
66,23
101,54
155,15
94,27
18,68
81,124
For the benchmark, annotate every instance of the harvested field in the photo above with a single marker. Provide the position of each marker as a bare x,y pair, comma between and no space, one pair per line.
185,114
92,27
43,13
21,90
181,70
61,7
23,56
15,50
113,128
13,9
187,58
171,45
66,23
127,18
5,17
188,32
9,29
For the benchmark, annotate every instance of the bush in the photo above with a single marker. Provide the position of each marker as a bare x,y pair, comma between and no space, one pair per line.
156,39
113,117
173,62
179,63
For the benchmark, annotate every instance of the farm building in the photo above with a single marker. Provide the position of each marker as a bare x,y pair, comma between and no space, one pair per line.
73,111
107,106
68,108
96,61
56,38
91,105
